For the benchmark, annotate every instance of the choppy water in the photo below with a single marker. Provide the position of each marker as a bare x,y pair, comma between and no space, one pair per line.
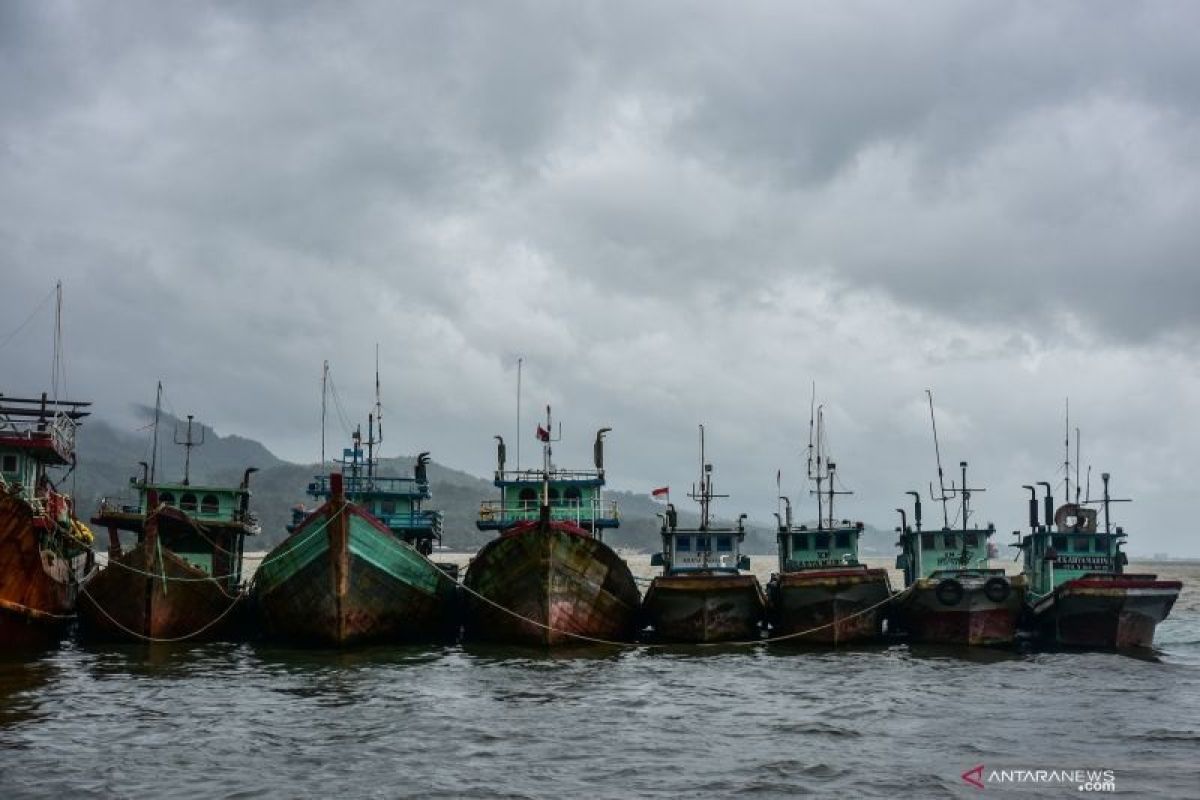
245,720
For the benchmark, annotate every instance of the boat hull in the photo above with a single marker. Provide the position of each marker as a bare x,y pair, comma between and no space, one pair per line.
40,571
1105,611
140,596
343,579
975,619
705,607
557,584
835,606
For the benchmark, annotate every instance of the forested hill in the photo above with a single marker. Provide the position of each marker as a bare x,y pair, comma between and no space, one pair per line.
109,457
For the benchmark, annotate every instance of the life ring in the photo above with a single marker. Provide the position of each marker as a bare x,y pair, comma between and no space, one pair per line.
996,589
1073,517
949,592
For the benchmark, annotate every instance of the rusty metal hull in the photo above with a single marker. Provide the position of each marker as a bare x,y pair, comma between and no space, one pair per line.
705,607
342,578
40,570
1109,612
974,620
830,603
557,584
139,596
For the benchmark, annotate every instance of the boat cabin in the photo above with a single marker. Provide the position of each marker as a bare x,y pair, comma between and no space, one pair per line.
575,496
703,549
395,501
35,434
1069,545
819,548
924,553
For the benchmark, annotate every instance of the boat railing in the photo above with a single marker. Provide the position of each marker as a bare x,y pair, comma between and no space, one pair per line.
364,485
557,475
572,510
57,431
413,520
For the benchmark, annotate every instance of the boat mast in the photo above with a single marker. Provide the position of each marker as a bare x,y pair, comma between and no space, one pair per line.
154,438
705,485
1077,460
56,366
938,454
374,424
324,394
188,443
546,453
520,361
1067,450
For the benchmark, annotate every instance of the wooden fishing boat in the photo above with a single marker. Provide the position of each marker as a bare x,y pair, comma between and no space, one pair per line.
1080,595
182,580
355,570
953,595
45,551
701,595
822,592
549,578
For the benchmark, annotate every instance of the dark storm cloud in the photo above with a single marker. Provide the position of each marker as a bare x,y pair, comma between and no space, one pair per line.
675,212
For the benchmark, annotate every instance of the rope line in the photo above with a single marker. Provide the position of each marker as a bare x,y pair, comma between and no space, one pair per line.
158,639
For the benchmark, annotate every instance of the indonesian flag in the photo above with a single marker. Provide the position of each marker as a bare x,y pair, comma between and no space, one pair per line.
543,434
665,491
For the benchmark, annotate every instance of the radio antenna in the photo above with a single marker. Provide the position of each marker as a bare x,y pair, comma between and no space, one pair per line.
938,454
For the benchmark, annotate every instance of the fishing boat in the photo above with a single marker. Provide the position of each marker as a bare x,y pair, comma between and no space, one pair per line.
548,578
183,578
356,569
45,551
702,594
823,592
1079,592
953,595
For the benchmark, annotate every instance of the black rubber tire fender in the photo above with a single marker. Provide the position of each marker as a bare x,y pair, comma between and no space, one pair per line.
997,589
949,592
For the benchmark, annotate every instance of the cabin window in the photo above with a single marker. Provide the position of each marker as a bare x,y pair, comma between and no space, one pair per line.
822,541
571,496
1082,544
528,497
188,502
1060,543
842,540
10,463
167,497
948,541
387,507
799,541
972,539
683,544
209,504
927,541
724,544
702,544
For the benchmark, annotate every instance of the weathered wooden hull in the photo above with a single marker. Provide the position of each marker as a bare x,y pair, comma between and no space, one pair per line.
129,600
705,607
329,585
1109,612
40,570
975,619
835,606
556,584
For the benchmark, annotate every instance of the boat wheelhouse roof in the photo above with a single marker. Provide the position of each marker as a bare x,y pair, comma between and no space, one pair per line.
42,428
534,477
373,486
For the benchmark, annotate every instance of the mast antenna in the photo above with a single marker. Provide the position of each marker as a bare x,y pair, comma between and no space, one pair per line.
324,395
188,443
154,438
1067,450
520,362
938,454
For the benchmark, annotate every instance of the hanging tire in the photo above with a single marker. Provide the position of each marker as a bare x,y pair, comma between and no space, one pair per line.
997,589
949,592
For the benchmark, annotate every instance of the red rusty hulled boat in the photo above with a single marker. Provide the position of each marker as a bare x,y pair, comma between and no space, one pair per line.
822,593
183,578
1080,595
702,596
549,578
45,552
551,582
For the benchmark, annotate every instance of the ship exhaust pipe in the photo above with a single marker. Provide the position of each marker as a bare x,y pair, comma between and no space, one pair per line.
1033,506
1048,505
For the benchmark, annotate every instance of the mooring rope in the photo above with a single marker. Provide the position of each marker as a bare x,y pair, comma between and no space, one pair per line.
157,639
611,642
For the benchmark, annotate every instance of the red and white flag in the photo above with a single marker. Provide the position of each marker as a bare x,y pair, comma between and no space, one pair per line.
543,434
664,491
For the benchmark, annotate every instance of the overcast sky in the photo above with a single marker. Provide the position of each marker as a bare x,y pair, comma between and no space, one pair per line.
676,213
